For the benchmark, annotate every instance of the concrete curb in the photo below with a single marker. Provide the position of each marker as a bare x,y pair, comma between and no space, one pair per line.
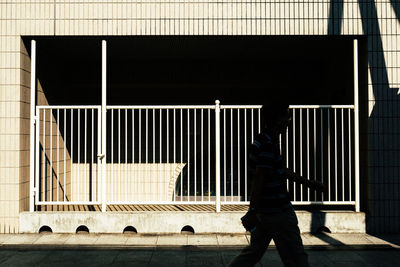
184,247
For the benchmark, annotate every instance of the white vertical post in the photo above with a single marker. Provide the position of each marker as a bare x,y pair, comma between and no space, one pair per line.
356,129
217,158
32,129
103,122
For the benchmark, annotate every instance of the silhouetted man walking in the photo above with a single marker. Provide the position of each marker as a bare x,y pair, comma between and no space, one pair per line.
271,215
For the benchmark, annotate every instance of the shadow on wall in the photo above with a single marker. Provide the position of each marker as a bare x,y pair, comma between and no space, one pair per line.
381,203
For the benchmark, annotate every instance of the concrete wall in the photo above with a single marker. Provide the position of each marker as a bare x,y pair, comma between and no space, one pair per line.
173,222
379,20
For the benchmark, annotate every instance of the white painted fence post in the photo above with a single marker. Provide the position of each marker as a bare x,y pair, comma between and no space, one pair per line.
217,158
32,128
356,130
103,124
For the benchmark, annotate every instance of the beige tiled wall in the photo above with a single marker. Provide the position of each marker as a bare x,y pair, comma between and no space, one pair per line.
377,19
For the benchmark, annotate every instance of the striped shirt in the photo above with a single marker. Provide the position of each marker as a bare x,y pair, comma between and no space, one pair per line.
264,154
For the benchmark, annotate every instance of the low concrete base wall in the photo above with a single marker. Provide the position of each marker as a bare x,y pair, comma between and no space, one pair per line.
173,222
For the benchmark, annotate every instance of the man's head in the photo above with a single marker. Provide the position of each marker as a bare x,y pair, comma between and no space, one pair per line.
276,116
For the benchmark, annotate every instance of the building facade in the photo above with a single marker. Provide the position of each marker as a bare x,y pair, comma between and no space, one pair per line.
378,22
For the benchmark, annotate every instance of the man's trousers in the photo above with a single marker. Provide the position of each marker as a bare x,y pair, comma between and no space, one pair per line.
283,229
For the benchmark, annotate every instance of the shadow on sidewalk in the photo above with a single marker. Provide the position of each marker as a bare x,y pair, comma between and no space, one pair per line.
319,230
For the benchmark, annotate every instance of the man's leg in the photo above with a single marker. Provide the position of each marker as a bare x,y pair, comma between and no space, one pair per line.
288,241
253,253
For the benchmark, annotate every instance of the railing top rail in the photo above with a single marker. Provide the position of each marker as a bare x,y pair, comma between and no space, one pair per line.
189,106
67,107
164,107
241,106
320,106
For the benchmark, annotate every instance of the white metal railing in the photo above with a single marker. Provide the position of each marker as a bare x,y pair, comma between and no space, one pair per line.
184,154
67,144
319,145
177,146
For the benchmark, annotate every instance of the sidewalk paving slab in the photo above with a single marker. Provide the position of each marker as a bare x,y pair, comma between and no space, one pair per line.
5,237
202,240
172,240
232,240
50,239
17,239
82,239
111,239
141,240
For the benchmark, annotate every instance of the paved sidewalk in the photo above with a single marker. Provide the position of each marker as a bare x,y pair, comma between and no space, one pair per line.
178,241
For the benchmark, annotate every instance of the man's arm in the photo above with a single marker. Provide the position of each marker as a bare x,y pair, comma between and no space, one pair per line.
256,186
312,184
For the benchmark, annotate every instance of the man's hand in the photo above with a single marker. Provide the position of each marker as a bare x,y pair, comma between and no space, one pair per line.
250,221
318,186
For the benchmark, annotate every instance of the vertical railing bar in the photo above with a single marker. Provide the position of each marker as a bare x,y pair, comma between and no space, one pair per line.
36,162
329,156
85,157
259,121
301,152
322,151
79,155
140,138
181,137
294,151
336,148
160,160
140,151
245,155
100,179
154,136
224,154
152,175
147,135
175,149
308,152
133,169
231,154
58,156
147,154
125,177
238,166
209,155
167,140
315,151
119,155
217,156
44,173
342,155
349,110
188,153
167,135
202,155
72,152
65,148
112,154
51,154
195,156
92,156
